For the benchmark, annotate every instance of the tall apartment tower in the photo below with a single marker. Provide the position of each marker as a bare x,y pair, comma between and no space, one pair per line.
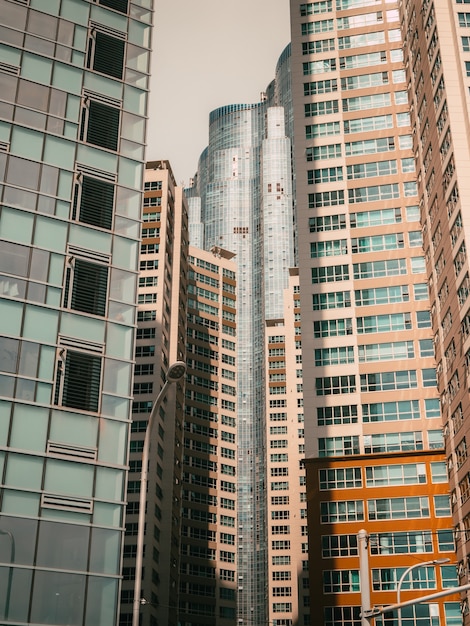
244,183
287,541
372,414
209,536
74,80
160,341
437,59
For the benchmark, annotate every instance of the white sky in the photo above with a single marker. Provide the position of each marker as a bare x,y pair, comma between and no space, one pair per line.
206,54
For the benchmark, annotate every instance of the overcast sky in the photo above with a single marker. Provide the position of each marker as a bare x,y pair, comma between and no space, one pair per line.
206,54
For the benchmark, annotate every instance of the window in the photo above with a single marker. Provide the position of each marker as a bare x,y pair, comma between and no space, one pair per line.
370,146
340,581
363,103
340,478
390,411
343,414
321,45
374,193
378,269
393,442
94,202
327,222
385,579
106,54
325,198
442,505
445,540
335,247
339,545
386,475
401,542
342,511
383,323
86,286
386,351
100,124
321,108
375,218
321,87
342,615
78,377
398,508
318,67
377,243
371,169
382,295
330,273
117,5
321,26
338,446
325,175
365,124
322,130
334,356
332,300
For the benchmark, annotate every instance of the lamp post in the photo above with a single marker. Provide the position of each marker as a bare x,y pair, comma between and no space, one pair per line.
175,372
405,574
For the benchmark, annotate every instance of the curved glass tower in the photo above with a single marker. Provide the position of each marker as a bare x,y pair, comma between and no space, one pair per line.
245,185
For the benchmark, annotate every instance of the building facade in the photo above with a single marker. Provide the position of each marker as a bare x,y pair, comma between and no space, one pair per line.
209,537
436,44
74,79
160,341
367,337
244,182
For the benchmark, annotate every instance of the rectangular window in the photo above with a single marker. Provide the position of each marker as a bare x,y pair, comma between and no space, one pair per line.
334,247
94,202
398,508
382,295
370,146
334,356
346,511
342,414
86,286
325,198
387,475
365,124
389,381
332,300
330,273
401,542
379,269
364,81
338,545
100,124
390,411
321,87
386,579
386,351
393,442
372,169
378,217
326,107
78,379
106,54
340,581
340,478
332,328
374,193
338,446
322,130
335,385
390,322
320,26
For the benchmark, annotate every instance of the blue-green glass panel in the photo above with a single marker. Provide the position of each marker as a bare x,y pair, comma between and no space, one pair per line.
36,68
82,327
56,269
68,79
78,429
62,546
57,598
16,580
66,516
73,108
130,173
27,143
47,362
24,471
11,314
113,442
115,20
135,100
40,324
109,484
29,427
9,55
51,6
90,238
78,58
53,296
59,152
107,514
50,234
105,550
101,601
75,11
43,393
16,225
5,130
65,184
120,341
125,253
117,377
139,33
114,406
71,479
62,209
100,159
20,502
71,131
5,411
104,85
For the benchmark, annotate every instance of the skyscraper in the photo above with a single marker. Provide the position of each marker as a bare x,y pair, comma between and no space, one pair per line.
160,342
74,78
367,341
436,45
244,182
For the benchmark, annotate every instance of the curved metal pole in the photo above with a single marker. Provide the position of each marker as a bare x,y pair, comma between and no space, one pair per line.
142,503
405,574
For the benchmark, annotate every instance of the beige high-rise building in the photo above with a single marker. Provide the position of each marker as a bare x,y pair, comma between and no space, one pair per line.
437,59
373,433
160,341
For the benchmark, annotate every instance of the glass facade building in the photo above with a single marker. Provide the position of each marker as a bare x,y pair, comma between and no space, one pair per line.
73,101
244,183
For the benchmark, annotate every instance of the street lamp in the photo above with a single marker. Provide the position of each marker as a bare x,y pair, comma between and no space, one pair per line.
175,372
405,574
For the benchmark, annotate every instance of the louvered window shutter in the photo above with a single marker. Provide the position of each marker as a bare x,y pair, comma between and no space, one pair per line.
89,289
103,125
109,55
82,381
97,202
117,5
